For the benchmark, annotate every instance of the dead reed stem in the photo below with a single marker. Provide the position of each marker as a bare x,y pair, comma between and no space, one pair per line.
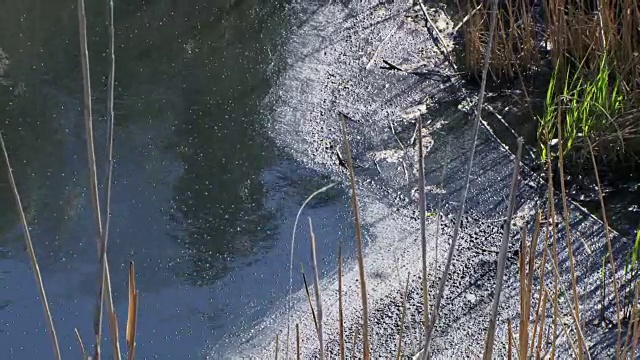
340,309
612,262
32,254
293,243
316,286
132,314
445,274
356,213
402,320
423,234
574,282
105,282
502,258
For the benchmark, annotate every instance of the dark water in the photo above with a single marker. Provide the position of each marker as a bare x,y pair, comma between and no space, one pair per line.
203,201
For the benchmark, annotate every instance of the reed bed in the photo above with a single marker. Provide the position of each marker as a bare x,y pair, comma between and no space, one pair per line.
589,49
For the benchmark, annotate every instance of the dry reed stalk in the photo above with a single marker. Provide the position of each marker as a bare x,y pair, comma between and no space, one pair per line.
340,309
80,344
509,339
277,344
574,282
297,341
356,213
316,286
542,296
423,234
502,257
403,318
132,313
293,243
93,181
609,248
636,326
31,253
551,215
445,274
306,288
542,323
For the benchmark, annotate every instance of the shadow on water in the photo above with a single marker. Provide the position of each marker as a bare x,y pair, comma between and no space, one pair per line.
203,201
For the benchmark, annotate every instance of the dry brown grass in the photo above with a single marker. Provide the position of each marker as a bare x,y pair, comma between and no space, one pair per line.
560,31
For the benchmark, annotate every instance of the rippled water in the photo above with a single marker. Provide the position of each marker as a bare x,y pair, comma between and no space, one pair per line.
203,201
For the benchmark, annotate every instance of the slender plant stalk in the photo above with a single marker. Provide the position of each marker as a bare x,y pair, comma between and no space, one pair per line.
403,319
612,262
574,283
509,339
306,288
439,210
636,326
93,184
356,213
554,244
32,254
502,258
423,234
277,344
293,243
525,298
456,230
132,317
297,341
540,319
545,295
317,289
340,310
106,296
80,344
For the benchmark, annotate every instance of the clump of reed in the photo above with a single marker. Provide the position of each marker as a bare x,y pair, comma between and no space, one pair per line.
104,296
591,51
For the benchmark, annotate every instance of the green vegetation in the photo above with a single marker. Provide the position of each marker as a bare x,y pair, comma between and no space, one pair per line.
589,52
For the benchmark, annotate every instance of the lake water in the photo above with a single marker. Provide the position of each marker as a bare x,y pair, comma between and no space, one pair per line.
203,200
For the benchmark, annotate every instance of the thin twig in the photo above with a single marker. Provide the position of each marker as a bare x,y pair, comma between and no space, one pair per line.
31,252
456,230
502,258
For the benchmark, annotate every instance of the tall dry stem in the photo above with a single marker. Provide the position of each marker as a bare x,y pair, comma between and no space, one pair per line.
502,257
456,230
356,213
31,252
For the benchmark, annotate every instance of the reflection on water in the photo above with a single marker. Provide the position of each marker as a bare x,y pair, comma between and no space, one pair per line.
200,195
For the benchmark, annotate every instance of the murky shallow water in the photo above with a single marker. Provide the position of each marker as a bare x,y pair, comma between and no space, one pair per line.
203,201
